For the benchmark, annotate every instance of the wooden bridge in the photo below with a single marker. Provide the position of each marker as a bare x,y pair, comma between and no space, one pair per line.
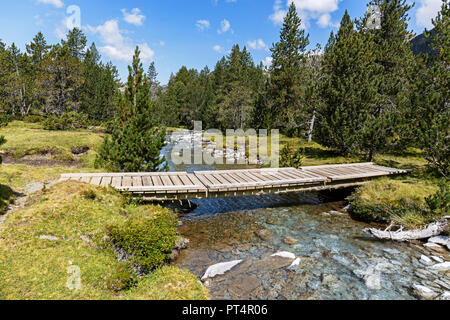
232,183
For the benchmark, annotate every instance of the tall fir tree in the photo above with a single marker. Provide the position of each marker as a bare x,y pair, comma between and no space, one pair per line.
76,43
38,48
348,89
152,76
99,90
137,138
61,80
286,94
430,96
394,57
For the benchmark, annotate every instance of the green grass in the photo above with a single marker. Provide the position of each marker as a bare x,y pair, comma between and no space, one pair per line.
400,201
15,179
75,213
24,139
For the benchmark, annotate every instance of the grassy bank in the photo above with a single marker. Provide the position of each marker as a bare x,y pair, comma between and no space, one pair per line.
66,226
30,139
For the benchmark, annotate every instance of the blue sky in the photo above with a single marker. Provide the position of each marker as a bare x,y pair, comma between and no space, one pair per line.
174,33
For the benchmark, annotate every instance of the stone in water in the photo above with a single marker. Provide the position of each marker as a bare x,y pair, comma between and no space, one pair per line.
220,269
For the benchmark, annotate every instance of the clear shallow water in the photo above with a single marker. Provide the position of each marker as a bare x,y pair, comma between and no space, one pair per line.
338,261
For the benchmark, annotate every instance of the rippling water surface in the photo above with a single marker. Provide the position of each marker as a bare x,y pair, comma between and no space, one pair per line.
337,260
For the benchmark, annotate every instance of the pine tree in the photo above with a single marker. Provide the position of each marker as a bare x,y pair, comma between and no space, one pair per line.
348,89
60,81
392,49
37,51
286,93
76,43
153,82
430,96
19,81
38,48
98,92
137,138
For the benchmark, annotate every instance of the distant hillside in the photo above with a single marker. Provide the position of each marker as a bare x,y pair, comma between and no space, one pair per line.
420,44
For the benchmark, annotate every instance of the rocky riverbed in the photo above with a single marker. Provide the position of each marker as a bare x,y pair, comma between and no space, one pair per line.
330,256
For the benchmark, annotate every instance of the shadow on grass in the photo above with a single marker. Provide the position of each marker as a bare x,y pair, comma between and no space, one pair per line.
7,196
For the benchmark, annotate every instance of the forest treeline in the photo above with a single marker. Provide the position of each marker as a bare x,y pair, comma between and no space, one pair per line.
365,92
57,79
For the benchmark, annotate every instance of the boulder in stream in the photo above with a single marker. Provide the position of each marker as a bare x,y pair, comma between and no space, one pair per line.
441,267
424,292
220,269
442,240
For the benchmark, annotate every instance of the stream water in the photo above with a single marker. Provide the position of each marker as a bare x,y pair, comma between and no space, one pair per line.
338,261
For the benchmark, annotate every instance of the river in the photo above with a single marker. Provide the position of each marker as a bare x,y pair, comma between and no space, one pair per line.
338,261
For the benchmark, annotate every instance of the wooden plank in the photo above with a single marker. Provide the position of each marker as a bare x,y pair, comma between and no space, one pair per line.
116,182
339,165
176,180
106,181
166,181
127,181
195,180
142,174
358,176
96,180
85,179
147,181
137,181
156,181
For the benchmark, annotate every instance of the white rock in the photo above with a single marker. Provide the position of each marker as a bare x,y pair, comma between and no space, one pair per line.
441,266
220,269
373,281
442,240
444,296
432,245
50,238
424,292
296,263
437,259
284,254
336,213
425,260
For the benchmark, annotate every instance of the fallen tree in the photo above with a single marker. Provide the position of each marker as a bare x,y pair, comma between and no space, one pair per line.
432,230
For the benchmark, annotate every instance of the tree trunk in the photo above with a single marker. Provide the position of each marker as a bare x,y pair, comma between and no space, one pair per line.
432,230
311,128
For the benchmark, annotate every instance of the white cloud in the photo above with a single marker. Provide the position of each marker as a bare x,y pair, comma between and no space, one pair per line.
267,62
203,24
257,44
116,46
225,26
428,10
278,12
324,21
218,49
321,6
135,17
56,3
318,10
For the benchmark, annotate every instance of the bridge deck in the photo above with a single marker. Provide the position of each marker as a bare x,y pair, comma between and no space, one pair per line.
210,184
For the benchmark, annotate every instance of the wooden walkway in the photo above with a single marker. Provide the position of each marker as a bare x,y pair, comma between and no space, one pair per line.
232,183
